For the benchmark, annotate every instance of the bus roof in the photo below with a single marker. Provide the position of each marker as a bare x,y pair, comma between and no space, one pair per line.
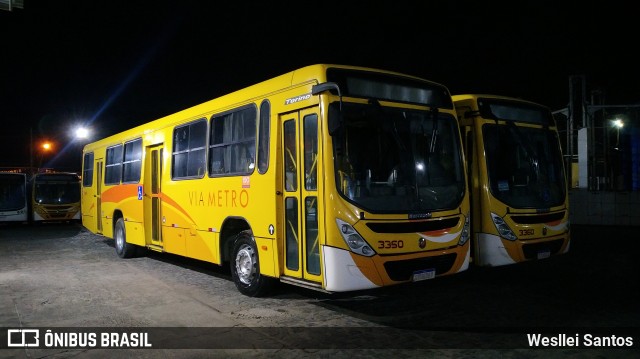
311,74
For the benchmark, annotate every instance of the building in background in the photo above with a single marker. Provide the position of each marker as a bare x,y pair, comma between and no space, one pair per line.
601,143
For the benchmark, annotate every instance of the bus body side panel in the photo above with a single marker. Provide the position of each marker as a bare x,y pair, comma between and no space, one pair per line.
257,203
194,210
122,199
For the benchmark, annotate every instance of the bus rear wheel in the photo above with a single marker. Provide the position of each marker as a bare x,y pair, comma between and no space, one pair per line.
123,249
245,267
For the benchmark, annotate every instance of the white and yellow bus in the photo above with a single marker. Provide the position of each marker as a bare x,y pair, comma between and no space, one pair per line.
519,192
334,178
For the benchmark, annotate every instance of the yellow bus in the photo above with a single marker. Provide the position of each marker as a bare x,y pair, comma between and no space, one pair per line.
324,177
54,197
519,192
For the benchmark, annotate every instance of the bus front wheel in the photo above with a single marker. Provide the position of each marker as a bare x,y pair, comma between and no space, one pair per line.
124,249
245,267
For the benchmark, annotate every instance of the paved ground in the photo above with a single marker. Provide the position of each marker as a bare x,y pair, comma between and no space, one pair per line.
62,276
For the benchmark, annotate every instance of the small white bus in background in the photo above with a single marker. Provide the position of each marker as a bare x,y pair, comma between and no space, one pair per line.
13,197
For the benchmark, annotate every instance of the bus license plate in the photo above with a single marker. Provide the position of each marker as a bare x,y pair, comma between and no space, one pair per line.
423,275
544,254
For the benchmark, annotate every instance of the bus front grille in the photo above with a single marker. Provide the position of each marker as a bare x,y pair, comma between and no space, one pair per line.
538,218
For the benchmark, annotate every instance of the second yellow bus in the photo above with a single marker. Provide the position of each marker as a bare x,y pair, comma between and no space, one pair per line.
519,192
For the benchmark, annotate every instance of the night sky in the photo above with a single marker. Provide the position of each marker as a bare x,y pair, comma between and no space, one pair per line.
113,65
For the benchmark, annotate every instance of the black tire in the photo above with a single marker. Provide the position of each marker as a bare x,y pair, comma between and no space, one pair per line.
123,249
245,267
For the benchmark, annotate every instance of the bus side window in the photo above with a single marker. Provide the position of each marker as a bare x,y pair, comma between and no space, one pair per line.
189,150
232,146
290,161
310,151
263,136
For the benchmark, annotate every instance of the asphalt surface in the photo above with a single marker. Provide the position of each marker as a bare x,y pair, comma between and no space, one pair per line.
61,276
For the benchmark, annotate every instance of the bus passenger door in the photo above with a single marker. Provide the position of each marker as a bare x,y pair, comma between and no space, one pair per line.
152,196
98,195
300,195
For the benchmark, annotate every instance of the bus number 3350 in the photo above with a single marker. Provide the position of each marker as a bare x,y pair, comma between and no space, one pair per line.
391,244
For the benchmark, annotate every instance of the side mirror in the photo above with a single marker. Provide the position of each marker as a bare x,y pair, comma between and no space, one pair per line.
335,114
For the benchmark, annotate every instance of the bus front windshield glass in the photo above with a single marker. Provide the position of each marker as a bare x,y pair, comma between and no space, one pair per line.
56,192
398,160
12,192
524,165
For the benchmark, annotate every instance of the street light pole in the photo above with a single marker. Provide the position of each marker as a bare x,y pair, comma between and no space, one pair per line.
618,124
31,150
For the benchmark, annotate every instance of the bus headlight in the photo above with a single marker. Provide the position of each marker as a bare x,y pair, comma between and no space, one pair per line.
502,227
356,243
464,237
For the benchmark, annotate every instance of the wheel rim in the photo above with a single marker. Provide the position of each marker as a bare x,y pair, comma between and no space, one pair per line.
245,264
119,239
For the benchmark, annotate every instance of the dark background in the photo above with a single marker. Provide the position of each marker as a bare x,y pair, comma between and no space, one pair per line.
112,65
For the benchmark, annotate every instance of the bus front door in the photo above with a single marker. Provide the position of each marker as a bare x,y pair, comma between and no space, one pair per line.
152,197
300,196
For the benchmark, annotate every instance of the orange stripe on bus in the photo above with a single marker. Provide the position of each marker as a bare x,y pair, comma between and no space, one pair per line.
437,233
119,193
127,191
168,200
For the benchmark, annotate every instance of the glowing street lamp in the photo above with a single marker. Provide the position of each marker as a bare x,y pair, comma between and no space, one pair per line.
45,148
82,133
618,124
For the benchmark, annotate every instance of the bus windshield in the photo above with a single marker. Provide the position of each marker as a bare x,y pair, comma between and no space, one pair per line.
12,192
398,160
524,165
57,190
